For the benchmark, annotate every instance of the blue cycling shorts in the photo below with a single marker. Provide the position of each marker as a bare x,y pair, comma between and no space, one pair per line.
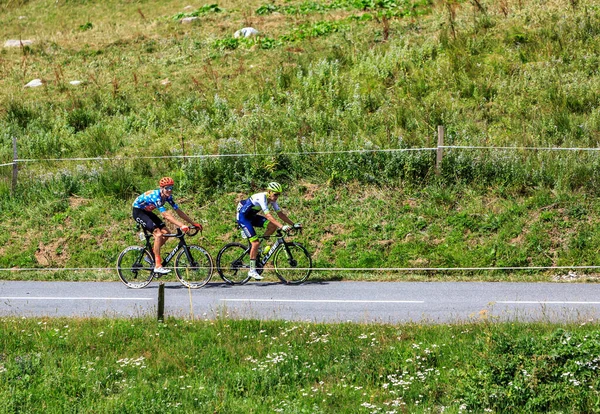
247,224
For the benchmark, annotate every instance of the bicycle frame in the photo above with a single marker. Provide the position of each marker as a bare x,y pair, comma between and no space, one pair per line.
181,245
265,259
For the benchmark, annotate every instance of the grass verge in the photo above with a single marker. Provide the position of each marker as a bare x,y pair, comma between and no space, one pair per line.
231,366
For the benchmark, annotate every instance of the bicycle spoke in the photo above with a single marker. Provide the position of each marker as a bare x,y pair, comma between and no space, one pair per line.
292,263
135,267
194,267
233,263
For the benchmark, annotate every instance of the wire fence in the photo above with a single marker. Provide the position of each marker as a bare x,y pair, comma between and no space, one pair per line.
8,180
332,269
299,153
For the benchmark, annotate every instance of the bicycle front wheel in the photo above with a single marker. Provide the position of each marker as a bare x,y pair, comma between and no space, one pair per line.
193,267
292,263
135,266
233,263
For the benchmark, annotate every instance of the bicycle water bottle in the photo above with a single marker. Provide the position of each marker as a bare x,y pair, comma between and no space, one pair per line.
141,235
266,249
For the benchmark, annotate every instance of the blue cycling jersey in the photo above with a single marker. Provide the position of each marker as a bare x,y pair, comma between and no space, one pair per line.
152,199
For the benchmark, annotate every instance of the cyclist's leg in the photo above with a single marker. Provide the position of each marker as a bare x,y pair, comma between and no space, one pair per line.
257,221
247,226
159,240
143,218
154,224
270,228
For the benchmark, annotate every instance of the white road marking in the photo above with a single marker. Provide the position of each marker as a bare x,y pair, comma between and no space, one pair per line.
323,301
546,302
65,298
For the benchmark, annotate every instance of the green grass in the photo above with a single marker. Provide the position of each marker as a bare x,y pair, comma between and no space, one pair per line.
323,76
229,366
346,227
525,75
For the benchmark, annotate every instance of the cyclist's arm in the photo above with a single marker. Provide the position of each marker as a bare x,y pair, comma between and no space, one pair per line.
272,219
285,218
184,216
168,215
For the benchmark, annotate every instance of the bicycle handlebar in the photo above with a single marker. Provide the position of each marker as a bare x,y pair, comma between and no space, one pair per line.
291,232
193,231
179,233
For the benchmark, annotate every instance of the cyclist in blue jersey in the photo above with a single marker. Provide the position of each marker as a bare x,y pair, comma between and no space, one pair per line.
142,213
248,218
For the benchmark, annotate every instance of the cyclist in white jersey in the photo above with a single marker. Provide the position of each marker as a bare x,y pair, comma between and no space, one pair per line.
248,218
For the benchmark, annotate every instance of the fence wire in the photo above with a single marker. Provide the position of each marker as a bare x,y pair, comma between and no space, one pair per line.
298,153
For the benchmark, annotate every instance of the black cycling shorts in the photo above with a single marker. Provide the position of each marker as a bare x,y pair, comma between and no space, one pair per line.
147,219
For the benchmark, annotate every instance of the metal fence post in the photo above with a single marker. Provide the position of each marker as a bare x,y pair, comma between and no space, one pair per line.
440,150
15,167
161,302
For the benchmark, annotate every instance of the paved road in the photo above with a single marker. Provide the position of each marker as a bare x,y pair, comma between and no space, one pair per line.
394,302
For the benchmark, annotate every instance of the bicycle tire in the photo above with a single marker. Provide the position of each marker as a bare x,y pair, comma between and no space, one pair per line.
196,274
288,257
233,263
135,267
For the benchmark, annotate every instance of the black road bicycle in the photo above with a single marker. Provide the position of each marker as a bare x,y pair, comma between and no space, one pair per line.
291,260
193,264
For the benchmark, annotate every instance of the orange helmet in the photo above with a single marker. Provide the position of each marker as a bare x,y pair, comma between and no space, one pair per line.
165,181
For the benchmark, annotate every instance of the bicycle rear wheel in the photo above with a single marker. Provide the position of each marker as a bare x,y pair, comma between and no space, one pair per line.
135,266
292,263
194,270
233,263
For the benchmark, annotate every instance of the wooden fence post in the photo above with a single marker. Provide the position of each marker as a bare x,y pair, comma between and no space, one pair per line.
161,302
440,150
15,167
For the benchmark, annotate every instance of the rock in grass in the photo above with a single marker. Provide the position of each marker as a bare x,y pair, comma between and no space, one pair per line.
188,20
34,83
17,43
246,32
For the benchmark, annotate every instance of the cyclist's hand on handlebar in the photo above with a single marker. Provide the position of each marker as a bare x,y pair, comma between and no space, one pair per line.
185,228
286,228
297,225
198,226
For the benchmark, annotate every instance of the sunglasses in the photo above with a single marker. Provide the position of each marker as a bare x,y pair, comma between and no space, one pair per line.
169,188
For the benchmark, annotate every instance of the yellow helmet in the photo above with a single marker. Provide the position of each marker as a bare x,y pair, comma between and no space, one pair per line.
274,187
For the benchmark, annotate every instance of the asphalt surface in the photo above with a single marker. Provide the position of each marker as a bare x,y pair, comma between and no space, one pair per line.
368,302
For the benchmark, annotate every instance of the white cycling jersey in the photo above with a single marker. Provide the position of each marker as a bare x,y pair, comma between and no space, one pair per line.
256,203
